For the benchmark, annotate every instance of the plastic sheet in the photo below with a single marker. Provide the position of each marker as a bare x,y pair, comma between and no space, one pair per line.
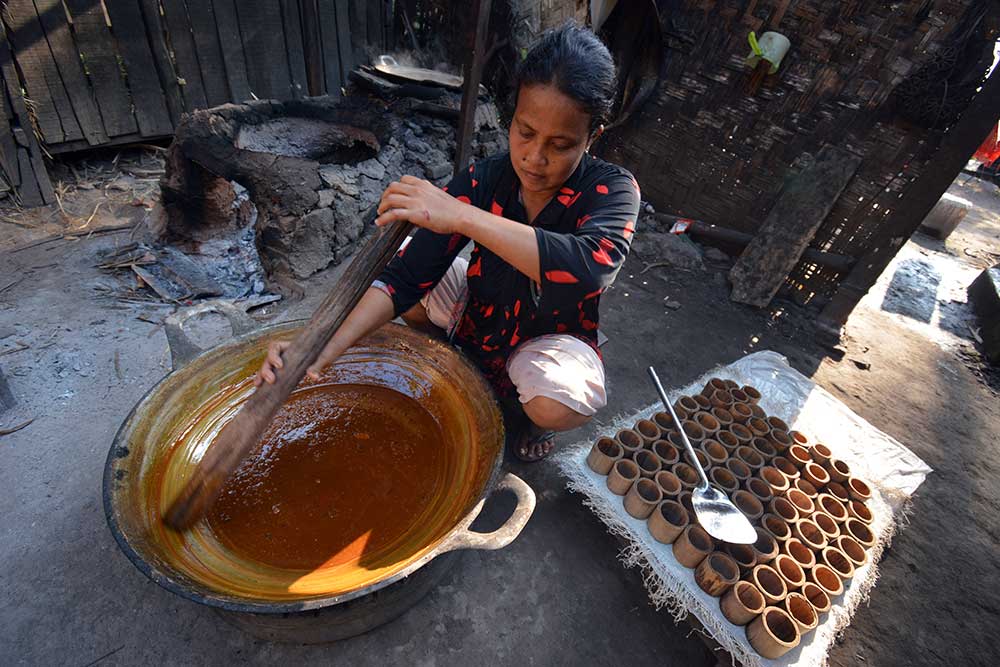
893,471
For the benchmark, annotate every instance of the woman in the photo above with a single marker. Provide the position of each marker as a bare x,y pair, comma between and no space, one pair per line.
551,227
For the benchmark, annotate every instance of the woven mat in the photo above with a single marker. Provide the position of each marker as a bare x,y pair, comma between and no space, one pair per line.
893,471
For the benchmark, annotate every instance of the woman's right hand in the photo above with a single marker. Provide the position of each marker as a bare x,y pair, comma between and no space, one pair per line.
273,362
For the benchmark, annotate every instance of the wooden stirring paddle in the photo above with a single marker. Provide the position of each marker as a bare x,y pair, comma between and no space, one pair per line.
240,436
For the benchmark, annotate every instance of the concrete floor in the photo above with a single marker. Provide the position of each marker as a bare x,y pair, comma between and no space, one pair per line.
557,595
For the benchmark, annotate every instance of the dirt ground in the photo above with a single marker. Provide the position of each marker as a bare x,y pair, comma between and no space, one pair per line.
78,360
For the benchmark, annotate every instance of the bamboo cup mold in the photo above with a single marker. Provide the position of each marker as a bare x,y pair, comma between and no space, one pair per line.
727,440
739,396
742,433
712,386
829,504
687,404
741,413
603,455
799,438
742,603
692,545
776,423
838,470
774,633
798,455
753,396
838,491
765,549
747,503
623,474
676,439
702,459
860,532
835,559
769,583
802,612
777,527
665,422
826,524
695,432
781,440
858,489
689,478
805,486
743,554
757,411
858,510
827,579
739,469
707,422
629,440
685,499
703,403
667,521
716,573
669,483
815,474
750,456
642,498
724,416
648,462
810,534
851,548
786,467
784,508
731,384
666,452
716,453
775,479
724,479
800,553
760,489
820,453
817,597
802,503
721,399
764,447
648,431
791,572
758,427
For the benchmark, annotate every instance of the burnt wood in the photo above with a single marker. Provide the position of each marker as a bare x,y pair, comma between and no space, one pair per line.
790,225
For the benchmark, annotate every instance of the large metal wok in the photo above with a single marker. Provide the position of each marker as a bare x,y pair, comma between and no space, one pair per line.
166,434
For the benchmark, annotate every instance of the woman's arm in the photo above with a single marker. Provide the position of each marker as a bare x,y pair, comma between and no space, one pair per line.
425,205
373,310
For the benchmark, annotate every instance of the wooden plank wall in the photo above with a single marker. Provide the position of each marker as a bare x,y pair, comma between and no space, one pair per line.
109,72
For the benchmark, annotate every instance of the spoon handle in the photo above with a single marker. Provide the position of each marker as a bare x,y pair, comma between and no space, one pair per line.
687,443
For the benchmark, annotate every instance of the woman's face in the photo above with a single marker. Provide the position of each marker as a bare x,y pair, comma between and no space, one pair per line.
548,136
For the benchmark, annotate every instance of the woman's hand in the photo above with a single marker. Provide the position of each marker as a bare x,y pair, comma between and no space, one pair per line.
273,362
425,205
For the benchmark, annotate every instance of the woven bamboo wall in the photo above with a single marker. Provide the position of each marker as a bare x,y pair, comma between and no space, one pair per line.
704,148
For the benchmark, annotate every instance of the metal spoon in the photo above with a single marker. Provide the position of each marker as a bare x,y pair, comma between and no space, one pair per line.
715,512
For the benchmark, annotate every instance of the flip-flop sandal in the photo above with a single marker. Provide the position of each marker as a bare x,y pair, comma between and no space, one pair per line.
528,442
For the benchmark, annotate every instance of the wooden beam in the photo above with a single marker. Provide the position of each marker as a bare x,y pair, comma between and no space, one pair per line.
790,225
472,73
312,47
956,147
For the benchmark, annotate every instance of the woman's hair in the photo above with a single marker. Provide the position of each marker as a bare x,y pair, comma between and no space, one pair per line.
575,61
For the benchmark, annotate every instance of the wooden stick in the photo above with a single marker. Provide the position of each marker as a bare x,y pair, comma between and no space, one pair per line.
240,436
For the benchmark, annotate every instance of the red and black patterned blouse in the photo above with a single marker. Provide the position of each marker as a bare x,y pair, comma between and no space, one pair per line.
583,236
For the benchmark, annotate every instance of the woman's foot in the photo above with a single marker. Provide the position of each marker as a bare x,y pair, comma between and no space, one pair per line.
535,444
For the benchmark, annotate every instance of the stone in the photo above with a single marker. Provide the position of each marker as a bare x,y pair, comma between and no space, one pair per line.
654,247
372,169
716,255
325,197
311,249
439,170
335,177
348,230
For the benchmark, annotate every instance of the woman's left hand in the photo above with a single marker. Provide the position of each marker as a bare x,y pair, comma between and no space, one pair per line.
423,204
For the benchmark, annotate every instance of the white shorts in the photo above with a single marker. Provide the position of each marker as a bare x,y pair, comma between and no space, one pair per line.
557,366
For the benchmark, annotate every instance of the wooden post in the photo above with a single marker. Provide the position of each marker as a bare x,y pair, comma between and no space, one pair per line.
956,147
472,73
312,48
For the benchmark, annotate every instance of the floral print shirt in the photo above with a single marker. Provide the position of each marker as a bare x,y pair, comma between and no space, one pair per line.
583,236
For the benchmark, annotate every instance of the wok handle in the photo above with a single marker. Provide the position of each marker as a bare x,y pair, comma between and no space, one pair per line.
463,538
182,348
